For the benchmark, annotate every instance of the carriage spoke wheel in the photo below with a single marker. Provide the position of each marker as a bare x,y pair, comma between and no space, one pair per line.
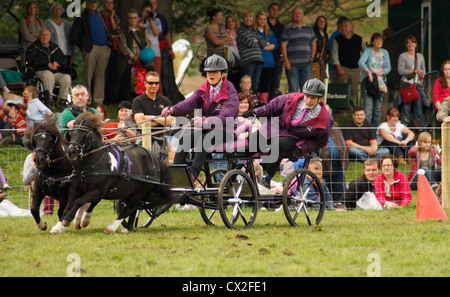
211,215
238,200
297,204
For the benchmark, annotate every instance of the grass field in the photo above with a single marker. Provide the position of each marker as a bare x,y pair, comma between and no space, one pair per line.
180,244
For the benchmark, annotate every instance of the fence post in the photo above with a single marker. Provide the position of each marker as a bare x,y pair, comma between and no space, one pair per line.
147,139
445,139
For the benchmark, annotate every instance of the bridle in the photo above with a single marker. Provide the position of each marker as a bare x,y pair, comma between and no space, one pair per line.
47,153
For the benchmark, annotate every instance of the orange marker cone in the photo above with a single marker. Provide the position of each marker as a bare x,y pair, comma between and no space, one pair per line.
428,206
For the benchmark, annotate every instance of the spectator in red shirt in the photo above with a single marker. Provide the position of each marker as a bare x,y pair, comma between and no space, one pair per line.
441,88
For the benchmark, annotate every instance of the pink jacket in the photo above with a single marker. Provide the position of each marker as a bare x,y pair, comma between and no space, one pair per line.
439,94
400,191
414,157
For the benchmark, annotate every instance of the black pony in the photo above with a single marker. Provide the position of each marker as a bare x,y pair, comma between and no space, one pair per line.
130,173
53,175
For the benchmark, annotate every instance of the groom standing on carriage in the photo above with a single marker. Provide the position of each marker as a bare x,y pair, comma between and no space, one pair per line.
304,124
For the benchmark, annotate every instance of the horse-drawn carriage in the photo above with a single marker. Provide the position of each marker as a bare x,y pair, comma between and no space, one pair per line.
86,170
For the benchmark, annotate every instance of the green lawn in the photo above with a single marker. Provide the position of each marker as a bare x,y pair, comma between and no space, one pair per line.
180,244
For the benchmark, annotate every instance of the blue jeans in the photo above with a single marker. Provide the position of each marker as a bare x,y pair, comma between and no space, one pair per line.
358,153
297,77
433,177
253,70
372,105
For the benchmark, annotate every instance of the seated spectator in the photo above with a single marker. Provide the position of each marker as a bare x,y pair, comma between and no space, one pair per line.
101,108
16,119
49,62
37,111
441,88
4,185
443,114
246,88
315,165
425,157
395,136
334,158
360,137
119,131
80,97
245,103
391,186
357,188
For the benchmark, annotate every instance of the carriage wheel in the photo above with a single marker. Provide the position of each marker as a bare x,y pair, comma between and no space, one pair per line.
238,200
209,214
295,198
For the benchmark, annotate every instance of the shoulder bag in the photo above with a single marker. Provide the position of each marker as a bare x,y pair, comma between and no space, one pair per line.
409,93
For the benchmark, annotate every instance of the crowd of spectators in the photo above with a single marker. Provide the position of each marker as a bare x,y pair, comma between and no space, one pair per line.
261,46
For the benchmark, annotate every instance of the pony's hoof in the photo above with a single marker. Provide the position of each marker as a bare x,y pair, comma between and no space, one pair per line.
124,231
108,231
58,229
77,227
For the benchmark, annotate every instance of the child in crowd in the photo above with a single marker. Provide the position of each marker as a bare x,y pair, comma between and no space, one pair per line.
315,165
427,158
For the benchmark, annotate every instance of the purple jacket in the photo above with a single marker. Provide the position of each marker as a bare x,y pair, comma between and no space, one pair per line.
225,104
311,135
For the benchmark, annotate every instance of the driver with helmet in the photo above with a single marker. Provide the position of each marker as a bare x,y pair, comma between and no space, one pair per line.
218,100
304,124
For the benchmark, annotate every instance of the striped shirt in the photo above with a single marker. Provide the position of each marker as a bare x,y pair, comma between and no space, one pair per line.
298,41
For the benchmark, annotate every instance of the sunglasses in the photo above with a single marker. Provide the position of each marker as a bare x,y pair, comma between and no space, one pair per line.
153,82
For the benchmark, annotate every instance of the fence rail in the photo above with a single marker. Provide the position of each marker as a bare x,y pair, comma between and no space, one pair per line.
12,159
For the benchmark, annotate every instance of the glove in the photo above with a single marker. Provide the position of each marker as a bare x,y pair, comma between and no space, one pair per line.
295,154
249,113
166,111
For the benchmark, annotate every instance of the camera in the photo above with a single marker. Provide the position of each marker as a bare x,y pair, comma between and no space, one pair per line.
150,14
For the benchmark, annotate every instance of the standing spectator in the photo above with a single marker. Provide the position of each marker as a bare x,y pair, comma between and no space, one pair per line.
91,34
375,60
361,185
391,186
112,21
331,67
395,136
441,88
394,49
322,51
345,54
49,62
215,35
167,55
60,31
411,66
250,44
29,28
269,63
277,28
37,111
361,137
153,27
425,157
298,48
132,40
234,73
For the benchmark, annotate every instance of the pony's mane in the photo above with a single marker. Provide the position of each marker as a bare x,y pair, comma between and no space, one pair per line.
48,126
89,120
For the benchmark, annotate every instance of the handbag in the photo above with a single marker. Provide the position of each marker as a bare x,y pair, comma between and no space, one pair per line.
372,88
409,92
317,67
138,78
